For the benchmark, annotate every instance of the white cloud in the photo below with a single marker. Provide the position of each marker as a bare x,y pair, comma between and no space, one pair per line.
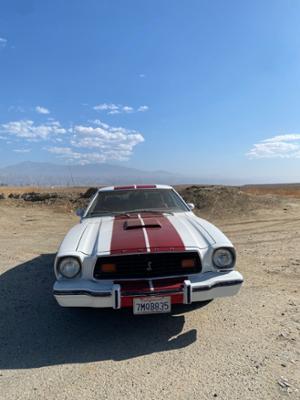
100,143
112,109
73,156
42,110
114,143
127,109
27,129
64,151
105,107
3,43
68,154
280,146
143,108
283,138
100,123
22,150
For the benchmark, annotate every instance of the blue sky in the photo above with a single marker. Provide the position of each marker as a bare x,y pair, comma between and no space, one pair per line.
205,88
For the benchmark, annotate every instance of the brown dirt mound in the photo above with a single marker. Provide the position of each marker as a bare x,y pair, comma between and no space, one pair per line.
220,200
89,193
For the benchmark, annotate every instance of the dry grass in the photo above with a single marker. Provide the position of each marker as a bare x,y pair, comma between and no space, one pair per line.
277,190
6,190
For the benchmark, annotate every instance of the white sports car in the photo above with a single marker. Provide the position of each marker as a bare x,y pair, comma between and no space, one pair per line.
142,247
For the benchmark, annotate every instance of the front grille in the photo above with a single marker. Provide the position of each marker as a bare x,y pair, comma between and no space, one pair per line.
148,265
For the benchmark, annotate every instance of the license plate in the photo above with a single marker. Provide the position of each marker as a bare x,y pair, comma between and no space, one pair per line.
151,305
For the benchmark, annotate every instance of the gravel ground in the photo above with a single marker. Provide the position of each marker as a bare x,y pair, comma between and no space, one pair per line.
244,347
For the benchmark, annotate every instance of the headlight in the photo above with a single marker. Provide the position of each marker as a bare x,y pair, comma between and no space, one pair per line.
224,258
69,267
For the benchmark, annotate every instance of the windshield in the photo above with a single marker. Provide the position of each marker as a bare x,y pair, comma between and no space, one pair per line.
127,201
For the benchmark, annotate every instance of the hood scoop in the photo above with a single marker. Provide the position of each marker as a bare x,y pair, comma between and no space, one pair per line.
137,224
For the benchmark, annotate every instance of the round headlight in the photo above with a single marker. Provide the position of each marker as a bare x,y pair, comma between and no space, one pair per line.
224,258
69,267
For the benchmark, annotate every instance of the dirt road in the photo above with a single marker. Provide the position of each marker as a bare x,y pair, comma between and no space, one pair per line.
244,347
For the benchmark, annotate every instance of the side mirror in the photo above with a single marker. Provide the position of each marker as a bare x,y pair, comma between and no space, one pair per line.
191,206
80,212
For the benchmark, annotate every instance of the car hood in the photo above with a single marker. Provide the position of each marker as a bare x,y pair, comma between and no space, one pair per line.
142,233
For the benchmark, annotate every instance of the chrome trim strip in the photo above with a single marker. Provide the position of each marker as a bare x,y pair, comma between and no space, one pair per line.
80,292
217,284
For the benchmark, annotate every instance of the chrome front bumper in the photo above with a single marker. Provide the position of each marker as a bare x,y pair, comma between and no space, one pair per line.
84,293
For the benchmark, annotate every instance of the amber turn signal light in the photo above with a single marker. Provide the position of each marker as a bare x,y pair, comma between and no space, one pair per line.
188,263
108,267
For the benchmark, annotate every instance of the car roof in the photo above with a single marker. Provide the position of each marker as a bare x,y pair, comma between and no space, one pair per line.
109,188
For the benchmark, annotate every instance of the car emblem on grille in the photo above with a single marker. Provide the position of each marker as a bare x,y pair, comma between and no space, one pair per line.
149,266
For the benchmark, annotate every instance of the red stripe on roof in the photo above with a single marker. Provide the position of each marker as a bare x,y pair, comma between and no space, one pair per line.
123,187
146,187
126,240
165,238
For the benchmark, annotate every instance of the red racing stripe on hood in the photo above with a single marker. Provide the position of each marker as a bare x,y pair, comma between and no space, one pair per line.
165,238
126,240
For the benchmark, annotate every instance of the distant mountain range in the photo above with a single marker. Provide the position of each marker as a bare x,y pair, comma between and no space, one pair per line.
48,174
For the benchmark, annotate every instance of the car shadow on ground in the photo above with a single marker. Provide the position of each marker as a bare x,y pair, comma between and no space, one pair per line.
35,331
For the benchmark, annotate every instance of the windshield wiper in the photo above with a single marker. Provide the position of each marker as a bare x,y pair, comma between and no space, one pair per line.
100,213
126,213
140,210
